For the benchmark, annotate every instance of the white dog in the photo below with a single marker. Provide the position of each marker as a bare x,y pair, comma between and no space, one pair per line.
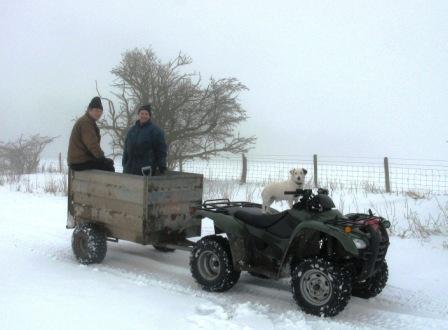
276,191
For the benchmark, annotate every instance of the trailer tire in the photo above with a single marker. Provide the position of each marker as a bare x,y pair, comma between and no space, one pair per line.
211,264
89,244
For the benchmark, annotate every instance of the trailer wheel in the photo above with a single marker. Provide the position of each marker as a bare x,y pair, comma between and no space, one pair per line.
162,248
320,287
89,244
211,264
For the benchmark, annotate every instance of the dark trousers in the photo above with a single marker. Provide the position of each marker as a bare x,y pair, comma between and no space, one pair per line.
103,165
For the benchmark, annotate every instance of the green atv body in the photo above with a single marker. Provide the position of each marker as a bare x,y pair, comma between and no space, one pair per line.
329,256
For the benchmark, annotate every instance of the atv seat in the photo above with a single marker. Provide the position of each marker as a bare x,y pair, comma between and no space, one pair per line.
255,217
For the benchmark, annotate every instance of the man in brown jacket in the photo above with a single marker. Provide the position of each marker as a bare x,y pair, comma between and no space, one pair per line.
84,150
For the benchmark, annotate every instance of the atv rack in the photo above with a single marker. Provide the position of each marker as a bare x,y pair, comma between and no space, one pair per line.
357,222
349,222
223,205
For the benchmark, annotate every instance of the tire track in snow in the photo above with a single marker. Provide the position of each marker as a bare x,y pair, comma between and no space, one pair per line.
143,266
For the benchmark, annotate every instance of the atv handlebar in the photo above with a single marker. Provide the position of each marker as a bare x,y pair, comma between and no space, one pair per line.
298,192
301,192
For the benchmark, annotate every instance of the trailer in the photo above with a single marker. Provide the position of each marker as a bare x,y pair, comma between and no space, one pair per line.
158,210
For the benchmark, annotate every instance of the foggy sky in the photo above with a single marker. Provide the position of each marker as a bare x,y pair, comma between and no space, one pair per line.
351,78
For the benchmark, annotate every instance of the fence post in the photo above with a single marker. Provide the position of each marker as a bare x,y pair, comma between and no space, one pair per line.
244,170
181,163
386,174
60,163
315,170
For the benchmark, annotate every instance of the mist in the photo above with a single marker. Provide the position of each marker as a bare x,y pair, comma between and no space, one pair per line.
345,78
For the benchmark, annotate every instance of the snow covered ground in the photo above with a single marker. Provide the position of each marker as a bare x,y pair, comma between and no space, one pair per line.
43,287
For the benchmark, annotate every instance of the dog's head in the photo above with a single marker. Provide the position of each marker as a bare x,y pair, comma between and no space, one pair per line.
298,175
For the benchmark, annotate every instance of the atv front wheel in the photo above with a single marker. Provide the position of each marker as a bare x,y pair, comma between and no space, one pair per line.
89,244
373,285
320,287
211,264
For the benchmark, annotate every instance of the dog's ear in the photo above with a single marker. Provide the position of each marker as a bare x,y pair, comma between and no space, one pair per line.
291,171
304,171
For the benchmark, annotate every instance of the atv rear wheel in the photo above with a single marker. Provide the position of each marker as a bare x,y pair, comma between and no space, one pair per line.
373,285
162,248
320,287
211,264
89,244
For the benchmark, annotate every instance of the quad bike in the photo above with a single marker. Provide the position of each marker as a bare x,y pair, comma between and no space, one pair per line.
329,256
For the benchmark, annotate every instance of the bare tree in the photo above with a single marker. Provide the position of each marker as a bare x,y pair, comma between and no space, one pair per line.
199,122
23,155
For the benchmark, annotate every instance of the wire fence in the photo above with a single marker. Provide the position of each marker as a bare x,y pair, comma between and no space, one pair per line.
418,176
369,174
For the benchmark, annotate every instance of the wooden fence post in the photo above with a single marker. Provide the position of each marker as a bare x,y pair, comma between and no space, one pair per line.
315,170
61,168
386,174
244,170
181,163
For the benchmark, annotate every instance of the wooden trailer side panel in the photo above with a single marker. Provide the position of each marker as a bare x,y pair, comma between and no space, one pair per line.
110,199
169,201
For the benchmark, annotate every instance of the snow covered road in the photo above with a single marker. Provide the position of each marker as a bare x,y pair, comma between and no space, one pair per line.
43,287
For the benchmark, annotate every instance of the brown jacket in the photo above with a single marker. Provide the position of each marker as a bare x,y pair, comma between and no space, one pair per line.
84,144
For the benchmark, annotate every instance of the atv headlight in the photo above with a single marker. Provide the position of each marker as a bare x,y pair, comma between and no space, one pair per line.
359,243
